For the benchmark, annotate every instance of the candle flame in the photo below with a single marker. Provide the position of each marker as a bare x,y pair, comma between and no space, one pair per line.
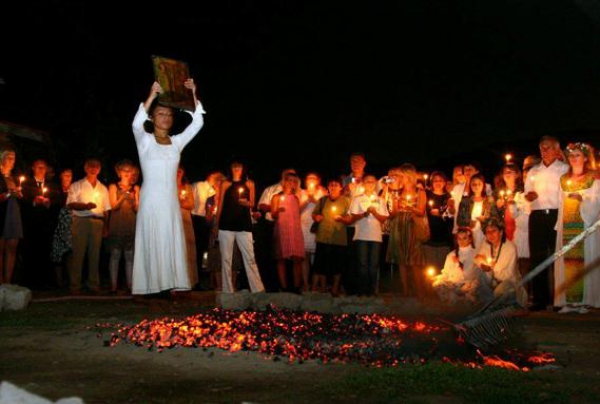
431,272
431,203
508,157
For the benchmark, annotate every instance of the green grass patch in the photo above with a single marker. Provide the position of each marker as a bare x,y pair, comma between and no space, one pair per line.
488,385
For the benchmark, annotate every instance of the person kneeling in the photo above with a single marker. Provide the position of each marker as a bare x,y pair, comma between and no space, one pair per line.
497,259
458,281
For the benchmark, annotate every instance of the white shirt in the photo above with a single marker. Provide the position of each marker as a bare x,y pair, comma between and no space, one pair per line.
452,272
505,265
202,190
457,194
83,192
267,195
545,181
368,228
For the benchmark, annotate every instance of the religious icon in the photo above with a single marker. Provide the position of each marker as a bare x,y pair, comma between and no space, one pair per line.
171,74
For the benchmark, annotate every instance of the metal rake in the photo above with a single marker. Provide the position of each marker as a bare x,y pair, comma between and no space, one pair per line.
492,324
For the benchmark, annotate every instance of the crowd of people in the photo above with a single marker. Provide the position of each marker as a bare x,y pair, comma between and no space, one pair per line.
463,239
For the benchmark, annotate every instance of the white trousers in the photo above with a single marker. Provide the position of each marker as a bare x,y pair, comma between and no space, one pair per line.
246,245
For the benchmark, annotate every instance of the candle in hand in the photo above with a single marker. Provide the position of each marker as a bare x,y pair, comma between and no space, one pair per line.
490,261
21,179
508,157
44,190
334,209
430,203
183,193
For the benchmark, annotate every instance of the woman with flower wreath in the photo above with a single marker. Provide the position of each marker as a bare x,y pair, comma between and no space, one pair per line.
577,273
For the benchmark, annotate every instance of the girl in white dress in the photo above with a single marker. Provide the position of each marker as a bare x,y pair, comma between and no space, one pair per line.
160,261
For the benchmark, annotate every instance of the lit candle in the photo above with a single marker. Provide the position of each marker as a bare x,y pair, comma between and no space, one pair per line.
183,193
430,203
508,192
502,195
490,260
21,179
425,176
282,198
569,182
334,209
508,157
431,272
44,190
311,186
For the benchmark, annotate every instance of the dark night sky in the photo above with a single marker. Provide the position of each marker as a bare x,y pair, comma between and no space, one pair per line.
309,82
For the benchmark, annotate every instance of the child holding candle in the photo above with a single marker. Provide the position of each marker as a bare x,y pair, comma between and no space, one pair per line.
459,277
508,185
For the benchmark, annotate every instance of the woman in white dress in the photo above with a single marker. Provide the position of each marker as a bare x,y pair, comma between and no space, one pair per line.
160,261
577,272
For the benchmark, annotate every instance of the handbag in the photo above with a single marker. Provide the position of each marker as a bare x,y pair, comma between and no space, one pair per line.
421,228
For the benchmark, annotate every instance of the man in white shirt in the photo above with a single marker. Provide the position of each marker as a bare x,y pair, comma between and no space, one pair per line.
542,189
203,190
88,199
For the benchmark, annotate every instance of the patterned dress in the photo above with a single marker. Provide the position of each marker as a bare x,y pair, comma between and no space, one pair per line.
576,277
288,238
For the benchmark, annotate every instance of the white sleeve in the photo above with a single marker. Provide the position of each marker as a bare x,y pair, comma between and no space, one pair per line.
137,126
590,205
265,198
182,139
355,206
73,195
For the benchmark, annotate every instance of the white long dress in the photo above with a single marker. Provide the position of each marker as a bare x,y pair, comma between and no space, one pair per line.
160,261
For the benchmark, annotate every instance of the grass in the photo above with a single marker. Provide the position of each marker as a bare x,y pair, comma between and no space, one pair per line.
423,383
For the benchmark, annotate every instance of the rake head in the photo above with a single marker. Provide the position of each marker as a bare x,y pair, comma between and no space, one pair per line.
488,328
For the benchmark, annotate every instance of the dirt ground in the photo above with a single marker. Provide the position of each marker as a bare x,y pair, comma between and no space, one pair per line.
53,349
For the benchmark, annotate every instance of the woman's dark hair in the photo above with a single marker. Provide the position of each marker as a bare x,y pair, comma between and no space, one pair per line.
436,174
499,179
480,177
244,176
337,180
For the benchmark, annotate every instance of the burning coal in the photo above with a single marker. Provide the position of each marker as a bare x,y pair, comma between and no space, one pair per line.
373,340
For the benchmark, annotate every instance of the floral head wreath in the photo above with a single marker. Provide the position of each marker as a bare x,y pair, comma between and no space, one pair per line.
582,147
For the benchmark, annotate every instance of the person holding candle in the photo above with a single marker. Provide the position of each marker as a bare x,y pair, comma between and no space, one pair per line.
89,202
475,208
308,200
62,239
202,190
497,259
577,273
331,212
264,233
39,204
124,201
459,278
369,212
391,192
463,189
542,191
10,215
287,236
234,224
440,214
160,261
509,184
410,206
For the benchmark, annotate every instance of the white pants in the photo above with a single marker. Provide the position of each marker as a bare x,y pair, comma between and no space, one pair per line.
246,246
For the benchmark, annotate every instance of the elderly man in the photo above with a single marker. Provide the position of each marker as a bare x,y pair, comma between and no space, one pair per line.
542,189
